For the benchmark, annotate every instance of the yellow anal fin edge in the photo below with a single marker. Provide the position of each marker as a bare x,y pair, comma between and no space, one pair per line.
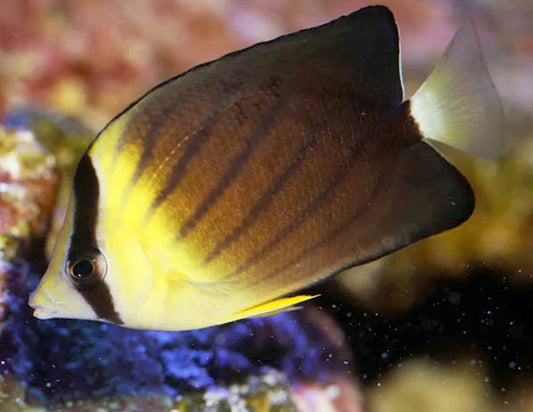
273,307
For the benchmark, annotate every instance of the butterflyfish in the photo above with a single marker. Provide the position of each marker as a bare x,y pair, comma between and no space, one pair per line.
223,191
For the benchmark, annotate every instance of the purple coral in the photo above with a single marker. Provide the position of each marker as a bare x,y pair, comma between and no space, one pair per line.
68,359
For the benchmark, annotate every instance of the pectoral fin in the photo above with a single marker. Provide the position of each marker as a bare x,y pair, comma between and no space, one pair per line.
272,307
216,288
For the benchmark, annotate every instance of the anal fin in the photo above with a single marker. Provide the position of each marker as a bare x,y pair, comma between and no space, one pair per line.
272,307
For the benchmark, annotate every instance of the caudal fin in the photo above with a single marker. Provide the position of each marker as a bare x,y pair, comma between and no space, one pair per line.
458,103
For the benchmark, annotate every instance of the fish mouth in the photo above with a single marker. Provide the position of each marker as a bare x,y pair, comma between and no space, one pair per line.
43,305
41,312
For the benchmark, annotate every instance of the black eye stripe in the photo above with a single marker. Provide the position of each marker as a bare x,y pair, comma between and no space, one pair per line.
83,241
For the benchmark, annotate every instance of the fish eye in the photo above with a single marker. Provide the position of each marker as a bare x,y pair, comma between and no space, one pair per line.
88,266
82,268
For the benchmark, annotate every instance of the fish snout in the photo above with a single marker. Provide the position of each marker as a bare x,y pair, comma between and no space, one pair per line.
44,307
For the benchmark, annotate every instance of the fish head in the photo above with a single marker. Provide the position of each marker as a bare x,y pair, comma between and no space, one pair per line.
108,281
57,295
98,270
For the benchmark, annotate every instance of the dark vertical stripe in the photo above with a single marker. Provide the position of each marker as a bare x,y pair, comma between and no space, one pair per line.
100,299
301,218
139,106
263,128
328,237
265,200
191,149
83,241
158,118
86,193
148,142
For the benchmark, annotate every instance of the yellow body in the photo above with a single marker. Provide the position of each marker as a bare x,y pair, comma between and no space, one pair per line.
239,182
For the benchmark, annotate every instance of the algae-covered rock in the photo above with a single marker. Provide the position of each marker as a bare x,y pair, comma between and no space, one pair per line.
64,139
27,188
63,136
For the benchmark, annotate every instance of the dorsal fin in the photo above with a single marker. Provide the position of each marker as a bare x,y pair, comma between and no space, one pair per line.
358,52
361,49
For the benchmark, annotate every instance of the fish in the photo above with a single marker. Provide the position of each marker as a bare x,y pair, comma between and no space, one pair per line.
223,192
